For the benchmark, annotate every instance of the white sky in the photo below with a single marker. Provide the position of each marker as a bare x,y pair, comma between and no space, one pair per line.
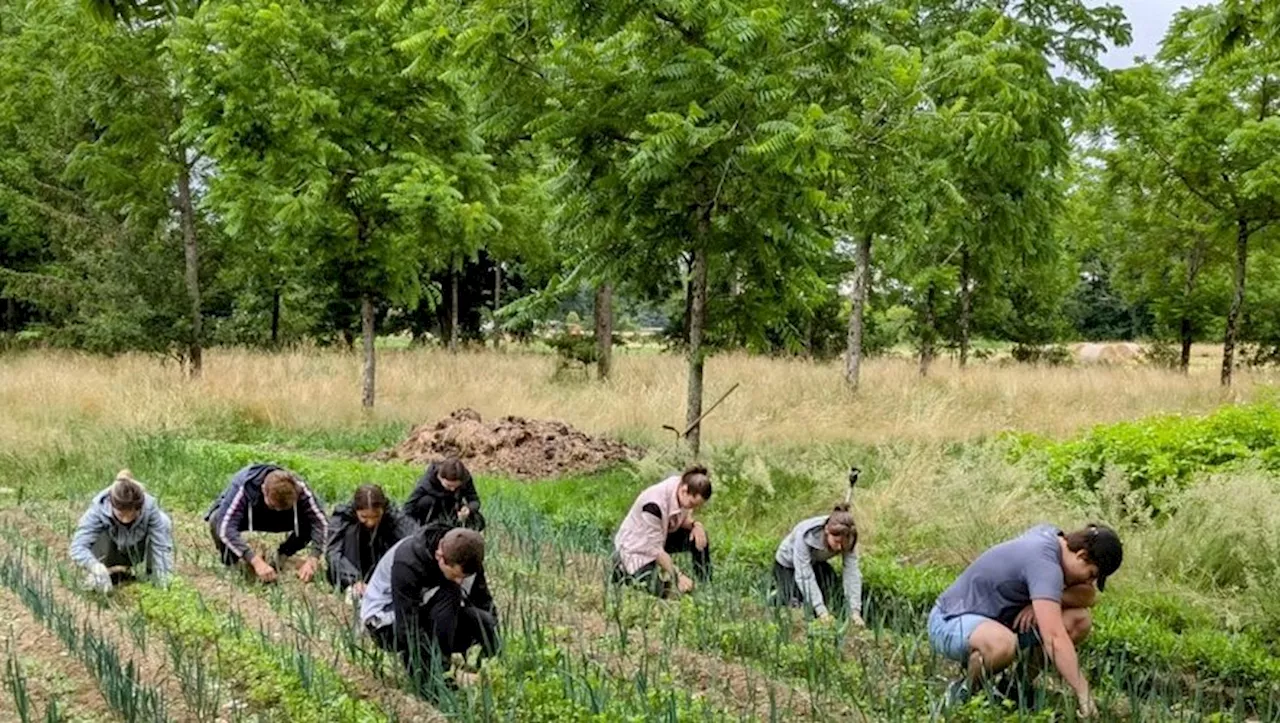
1149,19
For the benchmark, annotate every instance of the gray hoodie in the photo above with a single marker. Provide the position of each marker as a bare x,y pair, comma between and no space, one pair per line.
152,527
805,545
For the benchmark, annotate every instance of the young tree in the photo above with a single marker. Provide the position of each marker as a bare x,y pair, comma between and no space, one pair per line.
1207,112
159,110
367,169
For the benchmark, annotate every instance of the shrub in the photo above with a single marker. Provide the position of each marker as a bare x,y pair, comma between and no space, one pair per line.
1158,456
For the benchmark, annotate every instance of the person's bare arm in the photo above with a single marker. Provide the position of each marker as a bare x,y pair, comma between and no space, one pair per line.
1058,646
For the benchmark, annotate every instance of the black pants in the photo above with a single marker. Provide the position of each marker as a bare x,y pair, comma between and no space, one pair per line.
110,554
648,578
788,593
448,626
293,544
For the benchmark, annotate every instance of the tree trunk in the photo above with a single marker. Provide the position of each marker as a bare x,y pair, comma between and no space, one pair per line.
497,304
1237,302
861,287
367,331
1185,329
453,311
927,332
187,216
275,317
10,315
966,304
604,330
697,322
1184,333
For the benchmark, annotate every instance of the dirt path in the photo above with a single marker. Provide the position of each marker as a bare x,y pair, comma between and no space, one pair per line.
54,677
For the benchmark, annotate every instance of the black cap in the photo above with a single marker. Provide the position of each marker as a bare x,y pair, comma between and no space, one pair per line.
1103,547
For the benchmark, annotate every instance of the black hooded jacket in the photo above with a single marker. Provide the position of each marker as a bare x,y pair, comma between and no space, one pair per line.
415,571
431,502
353,551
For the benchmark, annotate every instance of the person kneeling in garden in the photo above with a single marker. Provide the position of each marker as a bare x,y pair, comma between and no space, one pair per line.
1032,593
123,527
802,575
428,600
446,493
360,533
661,523
267,498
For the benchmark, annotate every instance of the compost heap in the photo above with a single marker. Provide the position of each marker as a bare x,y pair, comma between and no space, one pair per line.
512,446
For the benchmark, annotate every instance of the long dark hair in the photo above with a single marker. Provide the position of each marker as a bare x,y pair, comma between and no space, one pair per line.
369,497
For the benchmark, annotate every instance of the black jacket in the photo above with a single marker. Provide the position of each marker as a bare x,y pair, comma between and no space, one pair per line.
414,571
242,508
347,536
431,502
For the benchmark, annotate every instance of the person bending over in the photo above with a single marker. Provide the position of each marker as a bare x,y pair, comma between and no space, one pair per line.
360,533
1032,593
661,523
802,574
446,493
428,600
123,527
267,498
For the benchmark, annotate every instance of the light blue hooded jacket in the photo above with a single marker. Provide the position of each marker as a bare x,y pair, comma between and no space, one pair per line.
152,527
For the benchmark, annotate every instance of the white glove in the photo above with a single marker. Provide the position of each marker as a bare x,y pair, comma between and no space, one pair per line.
100,577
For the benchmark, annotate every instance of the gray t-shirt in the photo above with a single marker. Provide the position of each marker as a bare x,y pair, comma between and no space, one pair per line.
1006,578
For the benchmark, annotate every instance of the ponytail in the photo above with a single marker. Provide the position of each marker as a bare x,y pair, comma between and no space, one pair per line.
127,494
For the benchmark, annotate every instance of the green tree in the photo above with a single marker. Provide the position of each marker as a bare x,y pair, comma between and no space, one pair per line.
149,137
372,172
1207,112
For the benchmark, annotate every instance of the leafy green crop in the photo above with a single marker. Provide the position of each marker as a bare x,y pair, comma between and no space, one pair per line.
1158,456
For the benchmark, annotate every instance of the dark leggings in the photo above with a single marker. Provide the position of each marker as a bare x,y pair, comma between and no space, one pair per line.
788,593
648,578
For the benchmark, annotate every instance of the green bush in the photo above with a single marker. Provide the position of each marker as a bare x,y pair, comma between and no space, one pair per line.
1158,456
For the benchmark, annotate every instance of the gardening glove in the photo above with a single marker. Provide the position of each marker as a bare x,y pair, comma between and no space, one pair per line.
100,578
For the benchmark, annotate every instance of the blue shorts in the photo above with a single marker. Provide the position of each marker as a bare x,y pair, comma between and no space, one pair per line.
950,637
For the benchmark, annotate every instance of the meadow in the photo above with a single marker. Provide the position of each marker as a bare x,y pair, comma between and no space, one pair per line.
952,463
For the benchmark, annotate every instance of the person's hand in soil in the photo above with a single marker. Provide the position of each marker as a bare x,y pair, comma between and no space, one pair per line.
358,589
265,572
826,619
308,569
100,578
856,621
683,583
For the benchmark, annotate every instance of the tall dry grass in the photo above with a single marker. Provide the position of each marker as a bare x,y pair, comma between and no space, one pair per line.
46,396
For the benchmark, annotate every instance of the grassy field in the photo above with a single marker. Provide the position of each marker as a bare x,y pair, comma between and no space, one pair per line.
1188,630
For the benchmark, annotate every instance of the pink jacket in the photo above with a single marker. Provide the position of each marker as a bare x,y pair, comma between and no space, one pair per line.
654,515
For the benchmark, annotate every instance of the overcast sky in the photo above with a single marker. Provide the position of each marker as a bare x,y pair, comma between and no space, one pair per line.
1150,19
